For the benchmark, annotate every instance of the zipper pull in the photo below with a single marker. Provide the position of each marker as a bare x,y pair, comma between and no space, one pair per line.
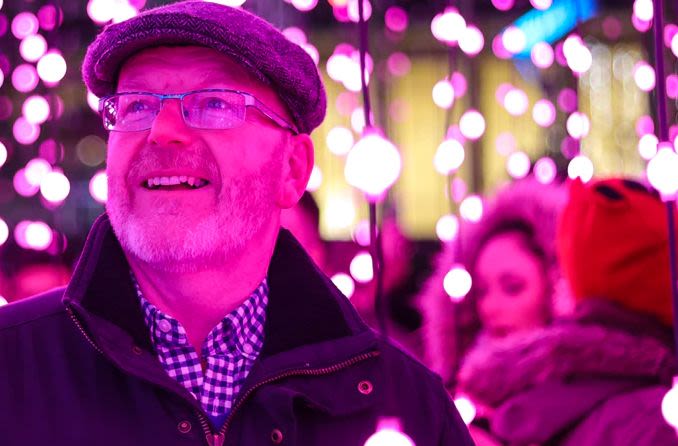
215,439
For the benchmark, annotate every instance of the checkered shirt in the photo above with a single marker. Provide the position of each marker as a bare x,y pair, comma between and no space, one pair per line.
228,352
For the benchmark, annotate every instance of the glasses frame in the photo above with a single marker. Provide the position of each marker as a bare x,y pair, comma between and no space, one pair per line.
250,101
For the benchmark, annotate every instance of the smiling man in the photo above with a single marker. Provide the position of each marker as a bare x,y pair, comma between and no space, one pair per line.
192,317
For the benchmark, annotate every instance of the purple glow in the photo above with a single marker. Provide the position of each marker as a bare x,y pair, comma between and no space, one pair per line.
514,39
361,170
55,187
6,108
448,26
516,102
24,24
339,140
670,31
458,190
35,109
449,156
52,67
541,4
340,13
352,10
98,187
472,124
25,132
661,171
398,64
389,434
577,55
457,283
647,146
471,41
569,147
505,143
545,170
542,55
643,9
465,407
644,125
443,94
296,35
361,233
4,232
345,284
503,5
544,113
50,17
3,154
567,100
51,151
672,86
459,84
4,24
560,55
518,165
304,5
22,186
396,19
358,120
25,78
498,47
361,267
640,25
33,47
644,76
612,27
580,167
447,228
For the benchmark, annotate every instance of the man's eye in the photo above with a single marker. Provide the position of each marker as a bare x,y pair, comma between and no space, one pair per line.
137,106
216,104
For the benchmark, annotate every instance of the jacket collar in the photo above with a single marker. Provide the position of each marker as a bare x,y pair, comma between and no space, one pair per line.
304,306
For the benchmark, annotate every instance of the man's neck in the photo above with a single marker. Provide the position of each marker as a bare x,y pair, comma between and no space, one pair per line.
200,300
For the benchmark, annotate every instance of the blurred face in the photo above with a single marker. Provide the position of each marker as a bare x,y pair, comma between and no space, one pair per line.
238,170
510,286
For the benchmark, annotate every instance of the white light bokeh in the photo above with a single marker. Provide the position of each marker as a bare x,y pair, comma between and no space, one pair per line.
3,154
472,124
25,132
51,67
389,437
4,232
358,120
542,55
457,283
304,5
643,9
471,40
98,187
647,146
518,165
339,140
345,284
339,212
670,405
372,165
35,235
514,39
33,47
471,208
661,171
352,8
577,54
516,102
361,233
25,78
545,170
316,179
544,113
541,4
447,228
35,109
644,76
578,125
443,94
55,187
449,156
448,26
505,143
93,101
25,24
466,408
580,167
361,267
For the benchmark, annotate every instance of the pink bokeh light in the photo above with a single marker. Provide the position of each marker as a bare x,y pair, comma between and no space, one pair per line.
672,86
542,55
373,165
544,113
612,27
3,154
4,232
580,167
33,47
643,9
37,235
449,156
472,41
448,26
541,4
674,45
516,102
22,186
346,103
514,39
647,146
518,165
295,34
304,5
499,49
640,25
396,19
545,170
459,84
339,140
661,171
398,64
35,109
443,94
577,55
447,228
670,31
458,189
471,208
25,132
644,125
358,120
50,17
55,187
98,187
670,405
352,10
505,143
51,67
578,125
345,284
503,5
567,100
25,78
36,170
644,76
24,24
472,124
457,283
361,267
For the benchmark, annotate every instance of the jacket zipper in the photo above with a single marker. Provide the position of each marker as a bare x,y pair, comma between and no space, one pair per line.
218,438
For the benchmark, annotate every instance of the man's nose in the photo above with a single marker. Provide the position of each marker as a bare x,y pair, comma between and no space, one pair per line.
169,127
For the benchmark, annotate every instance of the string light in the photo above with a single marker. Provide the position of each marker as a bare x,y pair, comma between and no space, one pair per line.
457,282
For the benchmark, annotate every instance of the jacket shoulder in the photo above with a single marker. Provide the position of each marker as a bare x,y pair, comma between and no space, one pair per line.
31,309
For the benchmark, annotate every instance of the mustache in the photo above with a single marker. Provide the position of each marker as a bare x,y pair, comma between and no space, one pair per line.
170,158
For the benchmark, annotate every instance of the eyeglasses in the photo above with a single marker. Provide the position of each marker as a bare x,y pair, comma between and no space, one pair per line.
212,109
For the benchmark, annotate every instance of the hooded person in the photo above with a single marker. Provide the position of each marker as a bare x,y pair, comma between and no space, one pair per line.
598,376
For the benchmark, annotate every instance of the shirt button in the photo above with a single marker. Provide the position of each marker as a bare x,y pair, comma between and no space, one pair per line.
184,427
164,325
276,436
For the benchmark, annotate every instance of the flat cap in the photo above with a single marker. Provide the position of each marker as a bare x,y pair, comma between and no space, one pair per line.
256,44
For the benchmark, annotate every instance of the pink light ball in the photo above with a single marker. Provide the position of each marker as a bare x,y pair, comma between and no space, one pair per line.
25,78
516,102
448,26
471,208
542,55
644,125
443,94
545,170
396,19
373,165
472,124
24,24
51,67
32,47
503,5
98,187
361,267
472,41
544,113
518,165
449,156
661,171
542,5
580,167
644,76
447,228
514,39
55,187
647,146
345,284
339,140
457,283
36,109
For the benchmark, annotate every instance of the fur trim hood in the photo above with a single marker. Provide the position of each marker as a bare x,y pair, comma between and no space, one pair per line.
448,334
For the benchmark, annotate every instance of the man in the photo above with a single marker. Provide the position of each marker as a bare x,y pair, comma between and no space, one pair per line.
191,318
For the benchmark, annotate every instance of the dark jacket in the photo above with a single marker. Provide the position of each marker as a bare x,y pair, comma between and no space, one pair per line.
77,368
595,379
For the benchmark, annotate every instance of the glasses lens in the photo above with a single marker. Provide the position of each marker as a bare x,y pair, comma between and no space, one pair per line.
135,111
214,109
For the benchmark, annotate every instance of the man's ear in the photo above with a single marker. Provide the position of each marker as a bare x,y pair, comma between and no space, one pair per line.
297,168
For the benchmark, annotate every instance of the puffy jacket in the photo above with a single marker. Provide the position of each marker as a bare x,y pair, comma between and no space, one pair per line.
77,368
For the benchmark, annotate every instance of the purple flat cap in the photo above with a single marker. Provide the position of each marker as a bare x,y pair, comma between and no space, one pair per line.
257,45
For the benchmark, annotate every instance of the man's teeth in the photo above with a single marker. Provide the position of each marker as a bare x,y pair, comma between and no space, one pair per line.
174,181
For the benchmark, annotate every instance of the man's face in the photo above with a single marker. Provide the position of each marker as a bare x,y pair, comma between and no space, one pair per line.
183,228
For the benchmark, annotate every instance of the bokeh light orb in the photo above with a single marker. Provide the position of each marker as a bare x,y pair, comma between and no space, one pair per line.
339,140
25,78
578,125
466,408
644,125
518,165
644,76
22,186
448,26
648,146
3,154
25,24
498,47
643,9
505,143
670,405
471,208
541,4
567,100
545,170
577,55
449,156
387,436
52,67
580,167
661,171
457,282
304,5
358,120
640,25
671,86
544,113
459,84
514,39
38,235
98,187
100,11
361,267
352,9
315,180
25,132
36,170
372,165
35,109
361,233
458,189
471,40
447,228
398,64
472,124
542,55
4,232
674,45
503,5
50,16
345,284
516,102
396,19
55,187
443,94
500,92
32,47
295,34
